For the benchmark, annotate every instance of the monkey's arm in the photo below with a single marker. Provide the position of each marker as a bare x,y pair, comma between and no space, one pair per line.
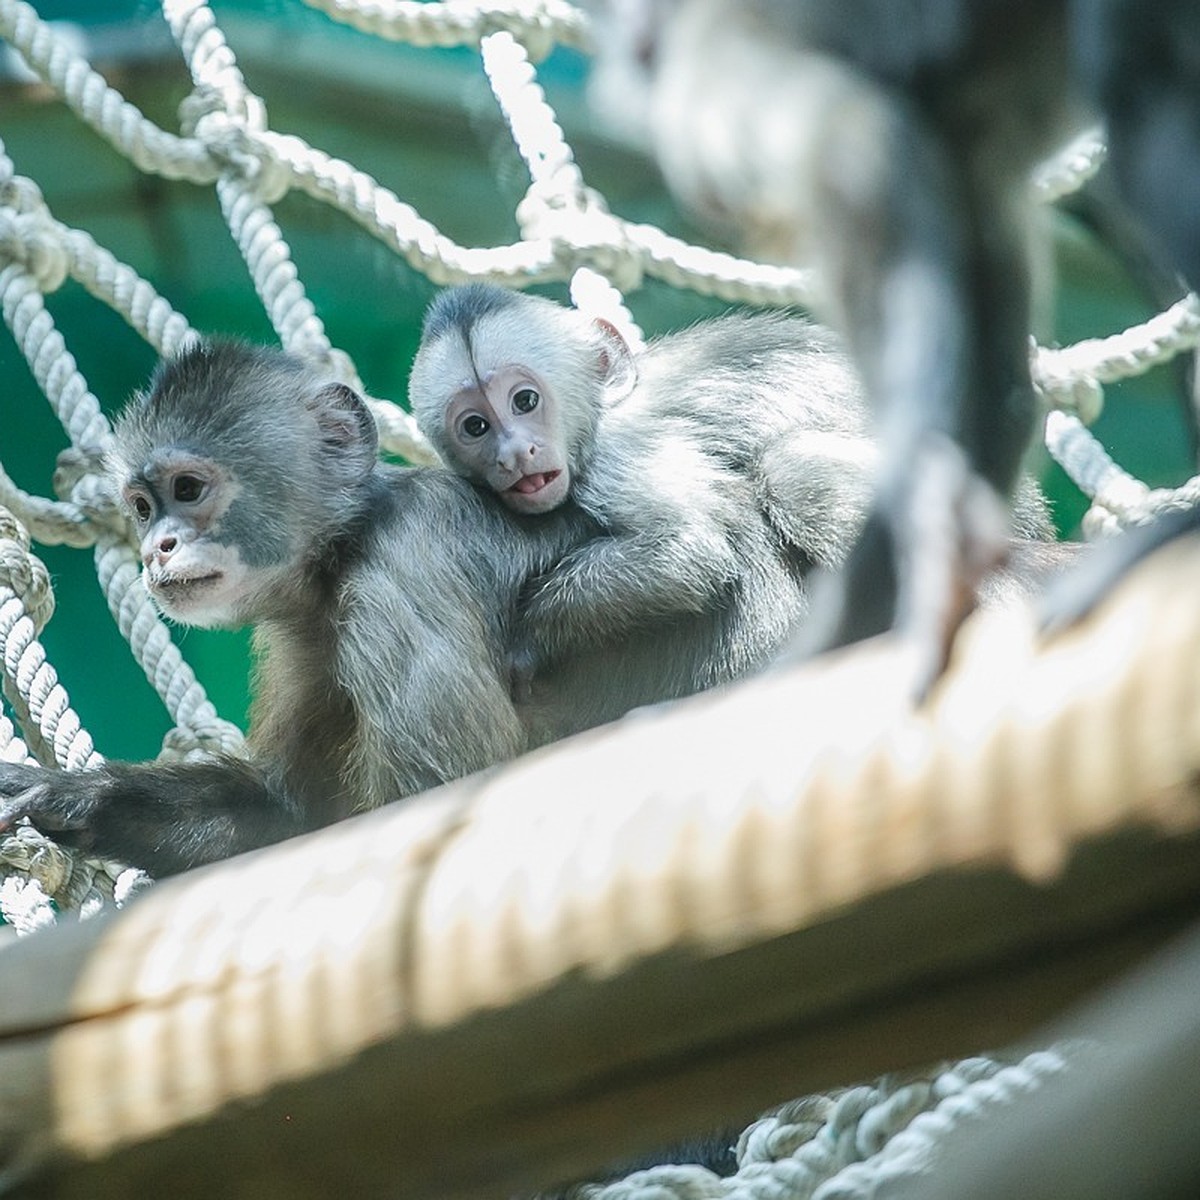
163,817
424,661
618,582
670,515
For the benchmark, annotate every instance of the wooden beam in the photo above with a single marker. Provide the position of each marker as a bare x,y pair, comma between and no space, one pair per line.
645,931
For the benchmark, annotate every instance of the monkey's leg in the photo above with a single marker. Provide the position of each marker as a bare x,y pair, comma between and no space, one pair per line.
163,817
1141,64
930,283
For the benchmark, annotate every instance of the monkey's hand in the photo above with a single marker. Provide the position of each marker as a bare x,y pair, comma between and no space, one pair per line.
162,817
620,582
524,662
60,803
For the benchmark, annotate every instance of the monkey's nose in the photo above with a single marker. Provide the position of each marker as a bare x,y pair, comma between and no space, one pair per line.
511,460
163,550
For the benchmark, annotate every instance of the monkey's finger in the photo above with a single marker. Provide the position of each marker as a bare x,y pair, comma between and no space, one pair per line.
46,809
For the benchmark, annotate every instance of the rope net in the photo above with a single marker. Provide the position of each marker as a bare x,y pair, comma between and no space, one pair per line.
567,233
820,1147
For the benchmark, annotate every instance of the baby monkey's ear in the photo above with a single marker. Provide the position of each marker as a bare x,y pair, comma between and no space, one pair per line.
618,367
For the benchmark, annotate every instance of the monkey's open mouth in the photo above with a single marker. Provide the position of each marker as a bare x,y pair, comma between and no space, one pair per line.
529,485
176,585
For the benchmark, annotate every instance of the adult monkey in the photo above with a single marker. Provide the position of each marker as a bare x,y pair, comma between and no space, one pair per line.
891,146
382,601
723,465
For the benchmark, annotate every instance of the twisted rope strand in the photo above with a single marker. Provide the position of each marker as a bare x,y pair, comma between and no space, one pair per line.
148,147
538,23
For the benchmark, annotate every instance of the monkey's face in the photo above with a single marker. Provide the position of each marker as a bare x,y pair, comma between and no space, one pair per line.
186,513
502,429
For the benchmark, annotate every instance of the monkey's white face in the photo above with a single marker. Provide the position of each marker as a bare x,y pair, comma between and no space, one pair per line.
504,430
204,584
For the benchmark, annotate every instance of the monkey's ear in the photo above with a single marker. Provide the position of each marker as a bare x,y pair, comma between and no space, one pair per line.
617,365
347,427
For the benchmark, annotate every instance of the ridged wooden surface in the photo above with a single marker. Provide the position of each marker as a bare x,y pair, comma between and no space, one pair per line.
585,908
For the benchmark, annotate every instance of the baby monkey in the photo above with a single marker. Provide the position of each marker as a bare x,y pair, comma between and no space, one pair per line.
723,464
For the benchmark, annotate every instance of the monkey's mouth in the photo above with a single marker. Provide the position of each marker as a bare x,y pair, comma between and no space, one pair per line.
177,586
530,485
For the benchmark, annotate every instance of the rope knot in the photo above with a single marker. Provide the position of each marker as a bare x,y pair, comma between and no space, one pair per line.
1078,394
21,194
581,231
201,742
35,854
528,22
229,139
32,240
81,479
24,572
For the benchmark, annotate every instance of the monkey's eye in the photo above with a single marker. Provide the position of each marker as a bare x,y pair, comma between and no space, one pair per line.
142,509
187,488
525,400
474,426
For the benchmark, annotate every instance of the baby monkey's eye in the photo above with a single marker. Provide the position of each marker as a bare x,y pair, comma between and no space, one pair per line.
475,426
525,400
141,508
187,488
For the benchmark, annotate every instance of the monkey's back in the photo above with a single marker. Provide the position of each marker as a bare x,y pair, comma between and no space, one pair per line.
742,381
425,605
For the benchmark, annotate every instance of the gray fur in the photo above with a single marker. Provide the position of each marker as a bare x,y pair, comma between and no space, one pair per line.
742,461
382,620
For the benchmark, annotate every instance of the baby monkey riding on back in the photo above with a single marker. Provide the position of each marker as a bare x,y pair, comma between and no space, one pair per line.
723,464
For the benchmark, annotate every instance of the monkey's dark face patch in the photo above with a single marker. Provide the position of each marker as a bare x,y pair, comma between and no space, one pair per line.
461,307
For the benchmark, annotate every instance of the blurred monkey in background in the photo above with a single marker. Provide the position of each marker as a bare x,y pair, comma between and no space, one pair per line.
890,146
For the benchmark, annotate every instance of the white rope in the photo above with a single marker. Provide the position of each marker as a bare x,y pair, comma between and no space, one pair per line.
1070,168
1123,355
52,729
149,148
849,1146
537,23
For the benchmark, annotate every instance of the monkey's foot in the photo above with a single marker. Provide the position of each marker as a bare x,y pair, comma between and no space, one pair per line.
59,803
926,547
952,532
